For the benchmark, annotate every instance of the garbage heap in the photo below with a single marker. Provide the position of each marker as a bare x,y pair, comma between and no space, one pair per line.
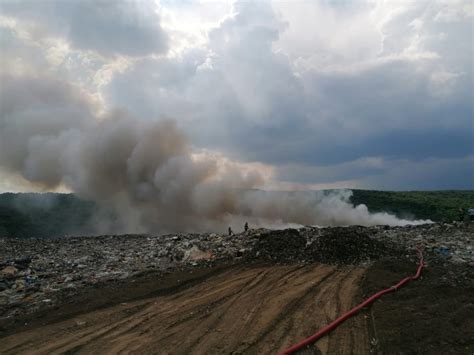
35,272
354,245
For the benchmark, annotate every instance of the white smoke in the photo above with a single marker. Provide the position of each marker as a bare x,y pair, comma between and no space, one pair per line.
146,172
316,208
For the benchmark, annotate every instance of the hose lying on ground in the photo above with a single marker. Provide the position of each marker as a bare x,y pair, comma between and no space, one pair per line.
356,309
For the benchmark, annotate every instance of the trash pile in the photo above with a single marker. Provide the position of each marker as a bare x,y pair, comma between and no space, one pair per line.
281,246
35,272
446,242
16,275
349,246
335,245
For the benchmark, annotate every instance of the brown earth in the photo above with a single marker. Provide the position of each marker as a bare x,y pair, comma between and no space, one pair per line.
239,309
432,315
259,309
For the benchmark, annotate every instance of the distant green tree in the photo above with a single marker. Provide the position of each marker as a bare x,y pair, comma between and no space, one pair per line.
439,206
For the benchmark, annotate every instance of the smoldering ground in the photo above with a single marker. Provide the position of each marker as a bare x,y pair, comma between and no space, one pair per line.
145,172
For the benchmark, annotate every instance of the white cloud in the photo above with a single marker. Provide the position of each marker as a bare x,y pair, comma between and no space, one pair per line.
454,11
319,34
443,83
286,84
108,27
188,23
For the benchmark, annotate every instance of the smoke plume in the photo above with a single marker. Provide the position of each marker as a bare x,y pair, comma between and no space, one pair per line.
146,172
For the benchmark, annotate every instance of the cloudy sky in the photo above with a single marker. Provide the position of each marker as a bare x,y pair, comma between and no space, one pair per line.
316,94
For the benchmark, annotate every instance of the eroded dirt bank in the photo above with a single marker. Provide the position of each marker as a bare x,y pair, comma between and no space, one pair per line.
256,309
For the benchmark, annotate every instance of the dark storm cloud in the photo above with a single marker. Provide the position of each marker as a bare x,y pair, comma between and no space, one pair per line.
378,112
145,171
376,173
243,88
413,103
330,87
429,174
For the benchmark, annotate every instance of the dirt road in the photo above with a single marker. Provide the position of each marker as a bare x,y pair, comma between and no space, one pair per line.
240,310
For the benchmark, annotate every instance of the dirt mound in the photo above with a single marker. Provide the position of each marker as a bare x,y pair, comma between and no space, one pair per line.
352,245
347,246
281,246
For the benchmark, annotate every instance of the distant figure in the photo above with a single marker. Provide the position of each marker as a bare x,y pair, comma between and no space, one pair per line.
246,227
470,212
230,231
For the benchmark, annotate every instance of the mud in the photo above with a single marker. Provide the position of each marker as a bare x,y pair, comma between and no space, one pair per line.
240,309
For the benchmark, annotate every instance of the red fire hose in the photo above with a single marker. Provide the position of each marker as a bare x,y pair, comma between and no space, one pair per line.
356,309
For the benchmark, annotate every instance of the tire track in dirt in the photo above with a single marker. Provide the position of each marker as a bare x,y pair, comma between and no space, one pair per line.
286,314
137,320
346,333
241,310
321,310
198,308
253,313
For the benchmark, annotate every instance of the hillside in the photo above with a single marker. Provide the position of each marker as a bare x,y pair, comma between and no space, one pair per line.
49,214
439,206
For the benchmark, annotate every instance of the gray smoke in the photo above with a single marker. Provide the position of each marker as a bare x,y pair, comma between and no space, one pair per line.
146,172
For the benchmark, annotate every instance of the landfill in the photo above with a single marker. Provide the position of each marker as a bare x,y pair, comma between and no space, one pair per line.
36,272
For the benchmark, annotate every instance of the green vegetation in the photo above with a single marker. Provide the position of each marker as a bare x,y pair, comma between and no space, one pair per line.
439,206
43,215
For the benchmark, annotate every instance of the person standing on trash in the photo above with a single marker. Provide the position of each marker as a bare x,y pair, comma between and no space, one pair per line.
470,212
230,231
246,226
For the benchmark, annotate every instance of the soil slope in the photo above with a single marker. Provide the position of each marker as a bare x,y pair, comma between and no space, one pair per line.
243,309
